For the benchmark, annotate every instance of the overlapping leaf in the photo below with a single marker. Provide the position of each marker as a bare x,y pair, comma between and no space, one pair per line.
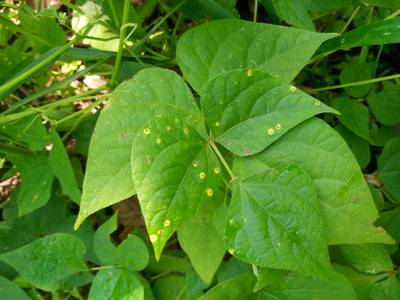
202,52
348,210
249,110
274,221
174,171
108,173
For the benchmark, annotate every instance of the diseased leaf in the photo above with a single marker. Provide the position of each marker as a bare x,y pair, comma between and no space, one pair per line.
249,110
116,284
385,105
274,221
389,168
175,172
151,92
201,241
37,181
201,52
235,288
10,291
368,258
348,210
46,261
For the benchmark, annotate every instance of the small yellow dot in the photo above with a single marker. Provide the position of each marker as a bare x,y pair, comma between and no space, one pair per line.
195,163
231,251
317,103
217,170
249,72
293,88
202,175
278,126
153,238
146,131
210,192
167,223
217,124
270,131
186,131
158,141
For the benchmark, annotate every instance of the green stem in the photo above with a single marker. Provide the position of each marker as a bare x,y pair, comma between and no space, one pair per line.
393,15
121,43
357,83
223,161
255,11
356,10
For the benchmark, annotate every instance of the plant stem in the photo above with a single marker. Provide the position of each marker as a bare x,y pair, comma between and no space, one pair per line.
356,10
255,11
357,83
221,158
121,43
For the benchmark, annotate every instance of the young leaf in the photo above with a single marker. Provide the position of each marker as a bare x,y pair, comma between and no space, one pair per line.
37,181
108,173
116,284
249,110
201,52
385,105
46,261
274,221
175,172
10,291
200,240
348,210
389,168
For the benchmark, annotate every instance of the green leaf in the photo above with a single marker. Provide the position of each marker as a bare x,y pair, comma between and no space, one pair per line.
116,284
214,9
389,168
10,291
249,110
376,33
200,239
293,12
385,105
296,286
175,172
274,221
358,146
234,288
368,258
354,71
131,254
47,261
390,220
103,246
171,287
348,210
62,169
201,52
108,172
37,181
